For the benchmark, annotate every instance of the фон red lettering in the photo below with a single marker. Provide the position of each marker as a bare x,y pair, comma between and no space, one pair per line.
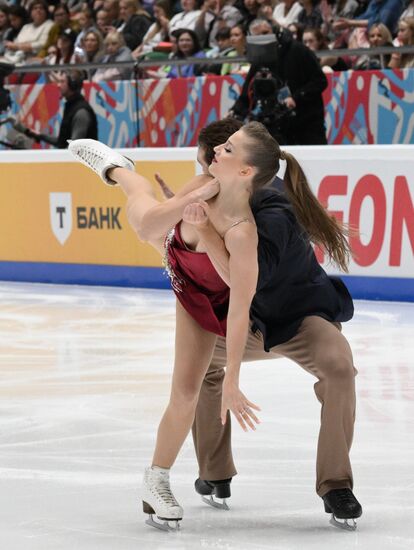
370,187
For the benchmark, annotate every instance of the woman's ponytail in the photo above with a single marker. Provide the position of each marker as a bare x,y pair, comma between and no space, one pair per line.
323,229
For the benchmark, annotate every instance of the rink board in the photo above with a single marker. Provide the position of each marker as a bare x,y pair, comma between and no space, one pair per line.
60,224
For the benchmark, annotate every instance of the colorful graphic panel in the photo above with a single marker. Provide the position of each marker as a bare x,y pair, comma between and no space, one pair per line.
366,107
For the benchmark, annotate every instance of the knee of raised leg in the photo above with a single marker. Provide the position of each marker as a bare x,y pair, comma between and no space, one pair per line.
339,368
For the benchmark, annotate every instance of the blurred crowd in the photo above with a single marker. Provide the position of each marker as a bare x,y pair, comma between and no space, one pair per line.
106,31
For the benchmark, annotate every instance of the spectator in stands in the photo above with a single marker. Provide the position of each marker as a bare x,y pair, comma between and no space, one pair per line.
103,21
112,9
287,12
310,16
223,43
378,11
238,42
18,17
92,50
158,31
222,49
249,10
79,120
4,25
51,54
65,46
214,15
188,45
340,9
61,22
266,8
32,37
76,6
135,22
86,22
409,10
296,30
378,35
405,36
187,18
315,41
115,50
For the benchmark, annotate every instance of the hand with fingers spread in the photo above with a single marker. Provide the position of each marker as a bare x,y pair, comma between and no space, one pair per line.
235,401
196,213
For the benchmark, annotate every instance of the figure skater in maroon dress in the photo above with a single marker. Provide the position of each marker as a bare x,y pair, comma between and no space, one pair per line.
208,237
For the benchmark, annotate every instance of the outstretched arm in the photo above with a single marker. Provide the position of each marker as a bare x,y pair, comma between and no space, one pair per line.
241,243
236,262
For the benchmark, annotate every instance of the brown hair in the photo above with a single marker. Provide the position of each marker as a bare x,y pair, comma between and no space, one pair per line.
322,43
263,152
215,134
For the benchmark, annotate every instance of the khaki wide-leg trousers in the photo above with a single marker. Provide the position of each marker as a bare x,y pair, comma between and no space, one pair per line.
320,348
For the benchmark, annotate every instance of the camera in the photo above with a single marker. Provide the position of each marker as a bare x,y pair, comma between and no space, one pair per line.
267,91
5,101
269,95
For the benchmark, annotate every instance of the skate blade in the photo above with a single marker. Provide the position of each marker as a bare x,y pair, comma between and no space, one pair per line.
343,524
215,503
163,526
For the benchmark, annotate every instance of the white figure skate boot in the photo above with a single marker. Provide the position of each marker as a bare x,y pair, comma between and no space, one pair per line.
99,157
158,499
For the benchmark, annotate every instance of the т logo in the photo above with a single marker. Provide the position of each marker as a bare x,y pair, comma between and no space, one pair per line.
87,217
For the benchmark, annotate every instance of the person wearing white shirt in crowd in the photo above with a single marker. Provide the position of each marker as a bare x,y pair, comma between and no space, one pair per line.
287,12
33,36
187,18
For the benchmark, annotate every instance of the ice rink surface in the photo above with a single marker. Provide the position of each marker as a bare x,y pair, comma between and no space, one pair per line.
84,378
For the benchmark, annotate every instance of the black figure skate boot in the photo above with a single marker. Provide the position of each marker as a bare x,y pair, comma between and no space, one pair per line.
343,505
219,489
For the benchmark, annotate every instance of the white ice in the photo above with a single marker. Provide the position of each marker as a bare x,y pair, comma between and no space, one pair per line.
84,378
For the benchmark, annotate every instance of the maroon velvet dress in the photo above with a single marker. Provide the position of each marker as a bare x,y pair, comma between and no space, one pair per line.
197,285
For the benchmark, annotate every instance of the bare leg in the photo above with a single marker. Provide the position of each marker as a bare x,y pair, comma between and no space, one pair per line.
194,348
140,199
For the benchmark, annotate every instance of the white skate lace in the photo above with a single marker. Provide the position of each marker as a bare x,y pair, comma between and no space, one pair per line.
163,492
90,157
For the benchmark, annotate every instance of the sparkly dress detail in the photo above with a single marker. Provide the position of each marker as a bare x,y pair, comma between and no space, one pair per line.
196,283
